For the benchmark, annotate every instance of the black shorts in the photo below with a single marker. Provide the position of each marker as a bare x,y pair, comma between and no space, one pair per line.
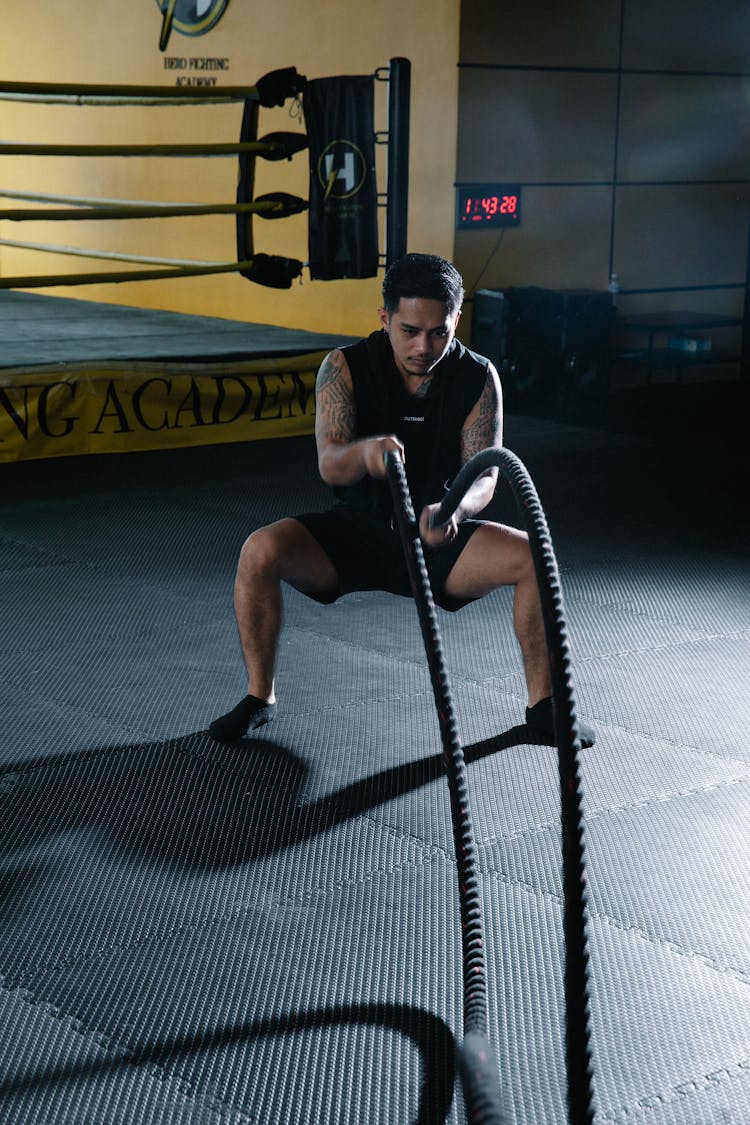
367,554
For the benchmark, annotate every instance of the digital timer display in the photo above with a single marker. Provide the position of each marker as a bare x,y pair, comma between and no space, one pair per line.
488,205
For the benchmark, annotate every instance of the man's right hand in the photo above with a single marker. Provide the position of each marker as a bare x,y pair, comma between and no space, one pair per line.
373,454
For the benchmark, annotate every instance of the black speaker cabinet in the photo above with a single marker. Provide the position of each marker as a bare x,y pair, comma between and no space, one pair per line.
489,332
543,341
565,319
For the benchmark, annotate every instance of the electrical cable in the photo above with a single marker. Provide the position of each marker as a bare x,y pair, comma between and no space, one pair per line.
485,267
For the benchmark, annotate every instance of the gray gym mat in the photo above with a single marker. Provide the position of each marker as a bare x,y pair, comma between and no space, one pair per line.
269,932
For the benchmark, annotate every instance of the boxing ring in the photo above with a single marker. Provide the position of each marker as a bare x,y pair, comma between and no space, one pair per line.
135,380
87,378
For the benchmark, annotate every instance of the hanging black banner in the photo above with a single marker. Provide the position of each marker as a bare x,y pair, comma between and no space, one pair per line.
343,217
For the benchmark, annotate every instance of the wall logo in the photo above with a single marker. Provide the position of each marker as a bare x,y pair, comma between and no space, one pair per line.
341,170
189,17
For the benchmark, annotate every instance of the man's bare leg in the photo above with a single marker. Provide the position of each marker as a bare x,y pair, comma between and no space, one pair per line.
282,552
500,556
529,629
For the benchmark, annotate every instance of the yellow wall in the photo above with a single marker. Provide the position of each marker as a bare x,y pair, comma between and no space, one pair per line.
112,42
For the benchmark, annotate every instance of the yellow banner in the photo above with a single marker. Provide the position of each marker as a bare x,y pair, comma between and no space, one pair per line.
71,409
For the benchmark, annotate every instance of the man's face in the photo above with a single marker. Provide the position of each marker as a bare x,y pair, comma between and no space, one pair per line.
420,331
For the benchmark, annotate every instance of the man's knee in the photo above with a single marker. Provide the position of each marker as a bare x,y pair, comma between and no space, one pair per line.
286,551
512,552
262,552
495,556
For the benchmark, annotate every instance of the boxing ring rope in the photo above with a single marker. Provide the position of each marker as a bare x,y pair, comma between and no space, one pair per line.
113,255
107,94
478,1073
266,147
273,89
89,209
34,281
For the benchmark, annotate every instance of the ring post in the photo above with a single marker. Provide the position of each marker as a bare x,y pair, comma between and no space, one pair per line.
397,181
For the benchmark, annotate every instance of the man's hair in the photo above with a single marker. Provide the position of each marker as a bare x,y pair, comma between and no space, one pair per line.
423,275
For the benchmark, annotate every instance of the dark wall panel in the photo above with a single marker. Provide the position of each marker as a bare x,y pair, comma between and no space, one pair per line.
627,163
536,126
540,33
669,236
680,127
705,35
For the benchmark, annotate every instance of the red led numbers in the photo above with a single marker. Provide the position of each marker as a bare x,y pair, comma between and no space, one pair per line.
481,206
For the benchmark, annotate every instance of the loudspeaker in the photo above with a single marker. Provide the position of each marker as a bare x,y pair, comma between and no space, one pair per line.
489,328
564,319
543,341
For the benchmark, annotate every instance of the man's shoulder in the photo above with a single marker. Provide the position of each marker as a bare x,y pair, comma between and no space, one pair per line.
346,356
470,358
361,345
366,358
470,369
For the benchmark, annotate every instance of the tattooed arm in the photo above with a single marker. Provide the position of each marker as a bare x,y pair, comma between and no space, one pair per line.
482,429
341,458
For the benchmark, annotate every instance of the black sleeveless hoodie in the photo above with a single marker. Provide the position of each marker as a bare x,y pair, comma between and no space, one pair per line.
429,426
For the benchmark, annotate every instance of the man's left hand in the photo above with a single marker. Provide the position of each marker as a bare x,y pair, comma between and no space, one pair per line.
436,536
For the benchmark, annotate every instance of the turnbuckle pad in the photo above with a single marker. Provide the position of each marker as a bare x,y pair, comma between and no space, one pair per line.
283,146
278,85
272,270
288,204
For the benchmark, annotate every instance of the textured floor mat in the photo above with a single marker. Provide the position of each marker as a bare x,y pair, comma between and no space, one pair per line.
269,932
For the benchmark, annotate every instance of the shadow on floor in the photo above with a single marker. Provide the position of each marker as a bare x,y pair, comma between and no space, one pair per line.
151,798
162,1059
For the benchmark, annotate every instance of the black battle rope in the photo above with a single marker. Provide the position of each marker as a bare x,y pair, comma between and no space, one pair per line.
475,1060
577,1011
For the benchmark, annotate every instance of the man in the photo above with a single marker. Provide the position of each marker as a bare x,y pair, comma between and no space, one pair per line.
412,388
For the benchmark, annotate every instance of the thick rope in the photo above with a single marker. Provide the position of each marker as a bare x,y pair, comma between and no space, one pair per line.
476,1064
577,1008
